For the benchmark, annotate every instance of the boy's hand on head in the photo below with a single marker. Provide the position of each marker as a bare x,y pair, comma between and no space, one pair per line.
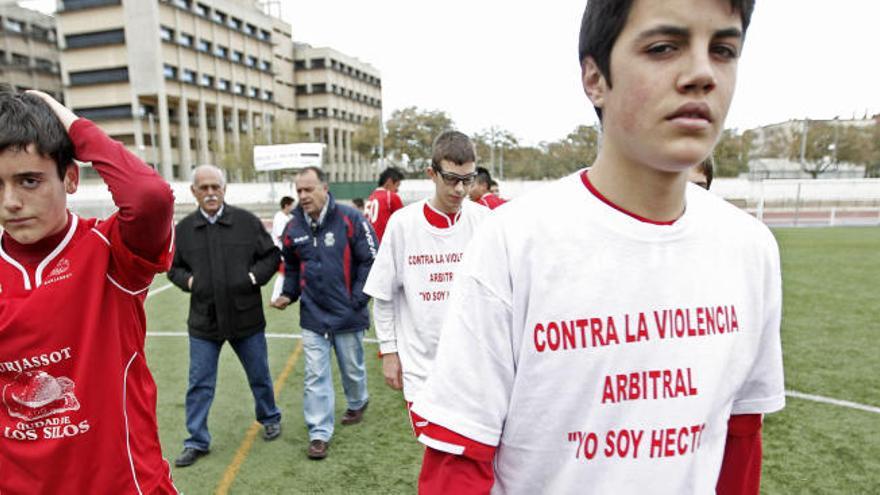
64,114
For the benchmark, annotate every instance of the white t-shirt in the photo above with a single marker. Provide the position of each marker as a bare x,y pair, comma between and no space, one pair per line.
603,354
279,221
414,269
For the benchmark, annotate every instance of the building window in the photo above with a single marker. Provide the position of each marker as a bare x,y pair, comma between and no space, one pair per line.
221,51
183,4
218,17
188,76
252,92
301,89
104,113
13,25
237,56
223,84
250,61
265,35
85,4
317,63
86,77
166,33
40,33
299,64
44,65
20,60
204,46
319,88
235,23
202,9
302,114
97,38
320,112
207,81
185,39
267,95
265,66
169,71
2,57
250,29
238,89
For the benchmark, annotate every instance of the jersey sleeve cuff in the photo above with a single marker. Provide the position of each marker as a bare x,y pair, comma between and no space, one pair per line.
759,406
453,421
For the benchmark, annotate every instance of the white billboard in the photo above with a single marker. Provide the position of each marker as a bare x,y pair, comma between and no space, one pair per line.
288,156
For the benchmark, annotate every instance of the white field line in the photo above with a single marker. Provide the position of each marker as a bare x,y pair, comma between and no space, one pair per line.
153,292
268,336
835,402
789,393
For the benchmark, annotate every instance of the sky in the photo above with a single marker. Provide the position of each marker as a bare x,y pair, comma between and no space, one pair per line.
513,64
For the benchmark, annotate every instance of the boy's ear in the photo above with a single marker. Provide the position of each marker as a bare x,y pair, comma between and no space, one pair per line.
71,178
595,85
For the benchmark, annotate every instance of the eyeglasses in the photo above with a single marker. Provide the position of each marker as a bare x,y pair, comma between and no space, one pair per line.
452,180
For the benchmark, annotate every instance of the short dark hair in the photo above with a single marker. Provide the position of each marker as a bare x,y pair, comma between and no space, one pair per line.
603,21
286,201
483,176
390,173
322,176
358,202
26,120
452,146
493,182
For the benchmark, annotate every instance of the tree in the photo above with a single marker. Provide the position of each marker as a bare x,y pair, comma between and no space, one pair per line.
814,145
411,133
365,141
493,143
732,153
577,150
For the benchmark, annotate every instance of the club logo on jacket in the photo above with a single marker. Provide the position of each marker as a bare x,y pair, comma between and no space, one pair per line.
329,239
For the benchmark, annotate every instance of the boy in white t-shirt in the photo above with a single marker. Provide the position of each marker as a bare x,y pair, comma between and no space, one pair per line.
417,262
279,222
617,331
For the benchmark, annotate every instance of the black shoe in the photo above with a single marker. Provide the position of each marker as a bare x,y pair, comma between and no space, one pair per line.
271,431
354,416
189,456
317,449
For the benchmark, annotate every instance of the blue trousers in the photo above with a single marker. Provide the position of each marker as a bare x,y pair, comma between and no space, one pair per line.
203,356
318,395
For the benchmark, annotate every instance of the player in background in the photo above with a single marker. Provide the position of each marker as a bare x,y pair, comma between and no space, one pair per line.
384,201
585,348
413,272
480,192
359,205
703,173
78,413
279,221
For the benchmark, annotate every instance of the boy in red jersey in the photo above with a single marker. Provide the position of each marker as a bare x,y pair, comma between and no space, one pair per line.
78,408
384,201
585,349
481,191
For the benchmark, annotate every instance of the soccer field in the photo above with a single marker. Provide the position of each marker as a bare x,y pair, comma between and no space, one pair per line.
831,326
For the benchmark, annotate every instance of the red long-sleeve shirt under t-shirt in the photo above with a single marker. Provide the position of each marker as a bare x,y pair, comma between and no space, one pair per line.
78,406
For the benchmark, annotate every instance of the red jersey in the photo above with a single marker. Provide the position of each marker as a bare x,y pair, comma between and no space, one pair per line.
379,207
491,201
77,401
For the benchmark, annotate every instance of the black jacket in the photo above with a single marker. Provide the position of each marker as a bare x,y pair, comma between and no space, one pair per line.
225,301
326,267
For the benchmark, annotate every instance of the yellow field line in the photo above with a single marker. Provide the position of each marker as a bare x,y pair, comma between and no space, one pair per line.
251,435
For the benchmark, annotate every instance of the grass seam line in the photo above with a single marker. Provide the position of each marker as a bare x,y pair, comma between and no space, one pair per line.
244,449
832,401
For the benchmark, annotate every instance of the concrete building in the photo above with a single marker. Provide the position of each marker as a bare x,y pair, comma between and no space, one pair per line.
336,94
28,50
181,82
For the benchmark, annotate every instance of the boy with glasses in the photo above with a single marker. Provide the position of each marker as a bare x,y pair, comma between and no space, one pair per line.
585,348
416,264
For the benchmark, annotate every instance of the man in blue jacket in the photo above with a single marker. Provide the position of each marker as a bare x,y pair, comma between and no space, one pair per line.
328,250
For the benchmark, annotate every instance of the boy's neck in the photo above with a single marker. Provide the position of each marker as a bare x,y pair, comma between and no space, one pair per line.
638,188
